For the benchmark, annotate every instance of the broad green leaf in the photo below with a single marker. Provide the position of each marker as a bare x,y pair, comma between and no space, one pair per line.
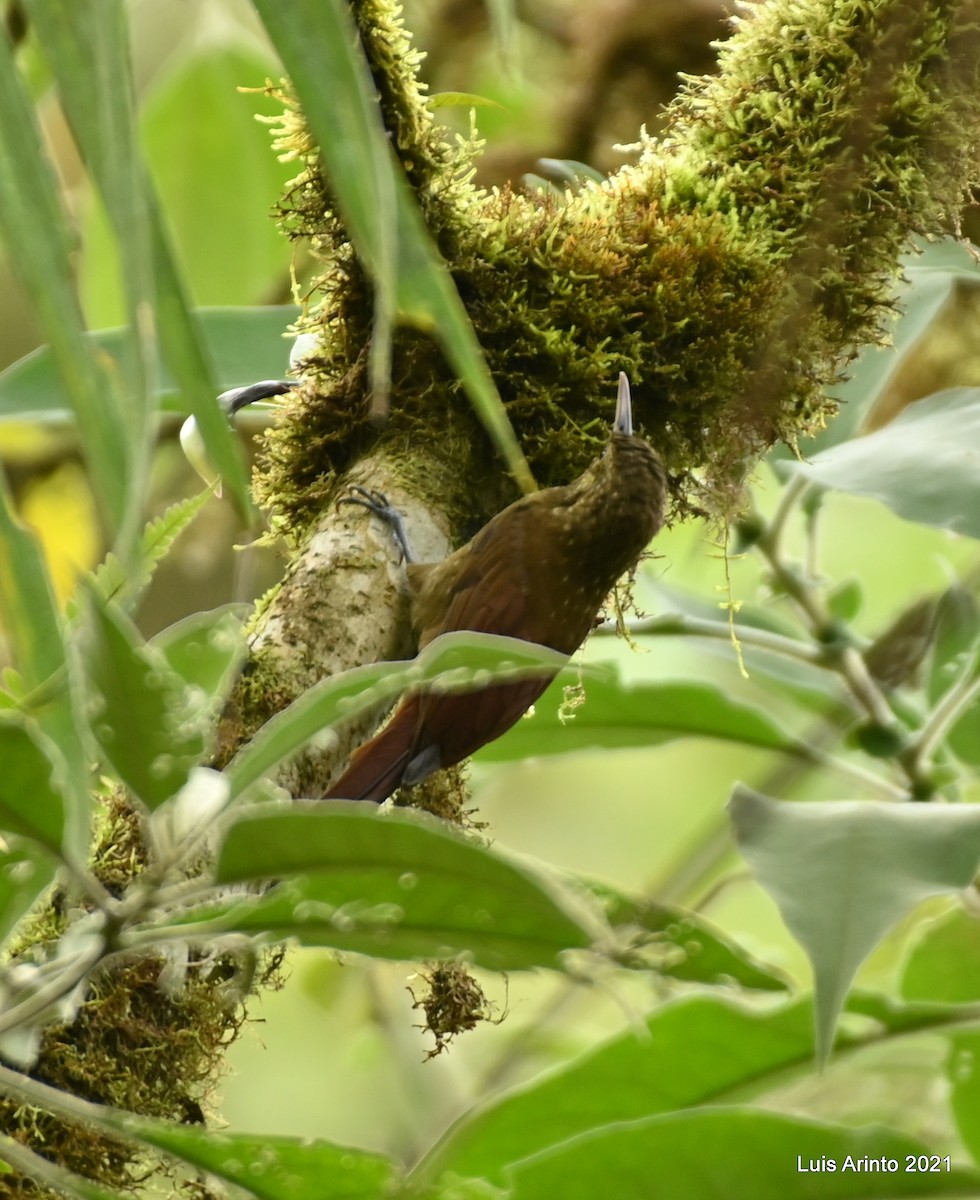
727,1047
844,873
394,885
944,963
964,1079
40,248
149,726
929,276
923,465
269,1167
682,944
124,585
25,872
205,650
717,1153
320,49
31,799
215,172
616,714
461,660
244,344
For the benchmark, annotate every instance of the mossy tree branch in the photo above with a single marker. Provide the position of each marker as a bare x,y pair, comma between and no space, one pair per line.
732,271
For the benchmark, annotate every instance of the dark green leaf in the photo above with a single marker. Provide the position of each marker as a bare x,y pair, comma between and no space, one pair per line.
216,173
724,1047
33,630
272,1168
205,650
31,800
27,605
25,872
395,885
726,1152
683,945
843,873
617,714
150,729
844,601
964,1078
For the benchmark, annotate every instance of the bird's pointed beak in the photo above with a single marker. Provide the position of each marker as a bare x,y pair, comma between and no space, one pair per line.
231,401
623,422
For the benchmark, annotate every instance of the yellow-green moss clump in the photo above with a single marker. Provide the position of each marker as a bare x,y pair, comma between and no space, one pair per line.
732,270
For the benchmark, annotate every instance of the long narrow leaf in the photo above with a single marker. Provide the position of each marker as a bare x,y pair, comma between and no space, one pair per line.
99,104
319,47
31,624
40,247
455,659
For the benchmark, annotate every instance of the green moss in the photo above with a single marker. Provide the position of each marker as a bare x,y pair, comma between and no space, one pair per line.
732,271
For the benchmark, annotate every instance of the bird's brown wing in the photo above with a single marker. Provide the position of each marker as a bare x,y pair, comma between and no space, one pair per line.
489,588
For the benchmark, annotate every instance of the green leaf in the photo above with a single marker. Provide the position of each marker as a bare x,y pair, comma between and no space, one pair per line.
320,49
273,1168
31,799
943,965
244,344
955,632
726,1046
461,660
717,1152
929,276
843,873
33,630
682,944
124,585
923,465
41,249
844,601
617,714
394,885
267,1167
150,729
436,100
205,650
87,44
964,1079
27,605
25,872
217,176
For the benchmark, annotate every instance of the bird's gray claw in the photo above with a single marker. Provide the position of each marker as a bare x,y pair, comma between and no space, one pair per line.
377,503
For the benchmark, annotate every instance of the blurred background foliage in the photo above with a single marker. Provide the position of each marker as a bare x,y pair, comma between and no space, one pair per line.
335,1052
